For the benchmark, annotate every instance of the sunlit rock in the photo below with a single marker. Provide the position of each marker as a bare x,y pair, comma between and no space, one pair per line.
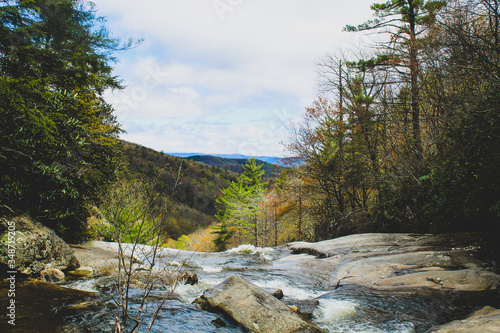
36,247
402,262
253,308
82,272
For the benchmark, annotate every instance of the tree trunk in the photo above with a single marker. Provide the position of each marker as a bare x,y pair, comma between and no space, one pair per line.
415,106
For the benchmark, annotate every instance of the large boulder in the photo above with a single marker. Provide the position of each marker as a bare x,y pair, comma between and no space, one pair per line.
253,308
486,320
402,262
102,261
33,246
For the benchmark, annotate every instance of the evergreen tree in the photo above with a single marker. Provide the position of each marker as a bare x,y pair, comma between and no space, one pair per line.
252,178
239,206
252,175
58,148
407,22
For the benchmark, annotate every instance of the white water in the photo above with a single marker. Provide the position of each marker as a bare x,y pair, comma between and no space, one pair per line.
264,252
296,292
83,285
330,310
212,269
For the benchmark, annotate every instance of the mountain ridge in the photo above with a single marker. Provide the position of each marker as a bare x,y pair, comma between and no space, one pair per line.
236,164
268,159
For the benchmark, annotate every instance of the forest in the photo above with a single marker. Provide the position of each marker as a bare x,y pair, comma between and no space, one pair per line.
403,137
184,191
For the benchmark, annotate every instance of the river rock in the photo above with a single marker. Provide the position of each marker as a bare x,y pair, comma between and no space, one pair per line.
52,275
36,247
409,270
402,262
278,293
188,278
486,320
253,308
304,307
82,272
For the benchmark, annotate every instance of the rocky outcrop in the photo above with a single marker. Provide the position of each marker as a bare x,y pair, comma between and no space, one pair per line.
253,308
486,320
34,246
402,262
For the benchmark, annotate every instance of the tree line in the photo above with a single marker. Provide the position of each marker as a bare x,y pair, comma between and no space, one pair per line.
61,159
403,137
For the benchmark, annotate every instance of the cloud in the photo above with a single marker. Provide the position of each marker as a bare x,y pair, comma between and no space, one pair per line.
240,60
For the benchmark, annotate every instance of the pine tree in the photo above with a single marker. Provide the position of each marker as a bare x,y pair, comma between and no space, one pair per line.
239,205
407,22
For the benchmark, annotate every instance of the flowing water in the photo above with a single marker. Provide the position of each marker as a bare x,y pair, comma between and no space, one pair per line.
85,306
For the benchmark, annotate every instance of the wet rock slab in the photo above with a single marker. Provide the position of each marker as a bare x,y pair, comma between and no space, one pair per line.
253,308
486,320
402,262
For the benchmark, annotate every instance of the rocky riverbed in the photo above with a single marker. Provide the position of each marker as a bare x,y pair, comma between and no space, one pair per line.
359,283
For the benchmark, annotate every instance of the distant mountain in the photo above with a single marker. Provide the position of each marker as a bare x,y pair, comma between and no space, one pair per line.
236,164
268,159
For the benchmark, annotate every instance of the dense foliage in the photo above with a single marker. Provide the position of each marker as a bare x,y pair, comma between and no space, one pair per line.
404,139
408,139
58,149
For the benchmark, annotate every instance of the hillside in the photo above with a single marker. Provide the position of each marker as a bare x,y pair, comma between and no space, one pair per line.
236,164
193,200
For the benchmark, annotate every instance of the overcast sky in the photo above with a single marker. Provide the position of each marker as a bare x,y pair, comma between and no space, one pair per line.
223,76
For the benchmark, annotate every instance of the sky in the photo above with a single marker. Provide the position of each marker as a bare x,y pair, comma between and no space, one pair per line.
223,76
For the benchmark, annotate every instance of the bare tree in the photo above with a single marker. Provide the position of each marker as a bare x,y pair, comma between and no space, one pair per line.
134,217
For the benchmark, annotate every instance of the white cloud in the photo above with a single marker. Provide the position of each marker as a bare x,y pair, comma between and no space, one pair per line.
195,67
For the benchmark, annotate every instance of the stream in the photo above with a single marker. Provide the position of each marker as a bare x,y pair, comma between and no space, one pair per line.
42,307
